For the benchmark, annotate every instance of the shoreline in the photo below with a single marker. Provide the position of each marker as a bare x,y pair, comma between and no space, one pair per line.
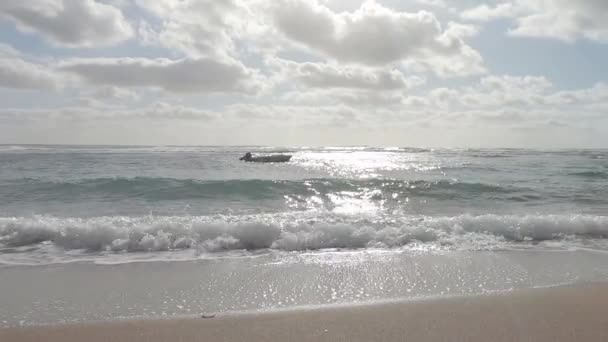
564,313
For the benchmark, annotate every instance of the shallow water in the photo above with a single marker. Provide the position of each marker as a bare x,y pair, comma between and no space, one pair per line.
77,292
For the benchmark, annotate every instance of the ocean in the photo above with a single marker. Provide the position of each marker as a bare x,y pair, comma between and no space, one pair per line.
104,232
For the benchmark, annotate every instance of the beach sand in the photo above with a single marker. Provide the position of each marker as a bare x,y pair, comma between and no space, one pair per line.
570,313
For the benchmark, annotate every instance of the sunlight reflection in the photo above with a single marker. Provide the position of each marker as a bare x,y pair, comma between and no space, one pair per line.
365,164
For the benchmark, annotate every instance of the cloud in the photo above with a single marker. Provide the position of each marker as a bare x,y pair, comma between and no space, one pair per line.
349,97
156,111
484,12
515,100
69,23
434,3
300,116
202,75
200,28
565,20
516,85
375,35
8,51
164,111
323,84
323,75
494,92
16,73
372,35
115,93
592,96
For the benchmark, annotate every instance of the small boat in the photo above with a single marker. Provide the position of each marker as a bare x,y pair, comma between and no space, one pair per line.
275,158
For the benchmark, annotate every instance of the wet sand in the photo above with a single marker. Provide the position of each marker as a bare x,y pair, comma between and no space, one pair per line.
571,313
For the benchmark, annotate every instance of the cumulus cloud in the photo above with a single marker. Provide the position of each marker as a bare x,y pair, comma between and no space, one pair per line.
323,75
162,110
375,35
318,83
350,97
333,74
515,85
181,76
435,3
70,23
200,28
558,19
372,35
484,12
596,95
8,51
16,73
301,116
115,93
494,92
517,101
156,111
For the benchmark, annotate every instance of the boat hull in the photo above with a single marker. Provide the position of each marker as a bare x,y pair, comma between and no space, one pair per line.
269,159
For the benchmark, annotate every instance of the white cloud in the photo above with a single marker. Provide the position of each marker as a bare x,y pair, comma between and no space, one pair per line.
566,20
19,74
316,83
484,12
494,92
372,35
115,93
8,51
435,3
515,85
468,61
515,101
295,116
375,35
337,71
70,23
200,28
350,97
181,76
156,111
598,94
322,75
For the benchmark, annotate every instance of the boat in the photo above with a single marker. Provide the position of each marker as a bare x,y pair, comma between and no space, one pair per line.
275,158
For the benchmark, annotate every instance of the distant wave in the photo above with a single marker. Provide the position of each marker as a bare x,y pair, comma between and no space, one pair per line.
472,152
23,148
156,189
290,233
591,174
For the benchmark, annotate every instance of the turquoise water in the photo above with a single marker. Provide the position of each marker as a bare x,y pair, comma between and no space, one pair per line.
65,203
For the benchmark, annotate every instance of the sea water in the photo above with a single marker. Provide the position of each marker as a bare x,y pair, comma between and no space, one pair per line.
101,232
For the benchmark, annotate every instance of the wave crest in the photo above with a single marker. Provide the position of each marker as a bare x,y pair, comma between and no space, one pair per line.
160,189
213,234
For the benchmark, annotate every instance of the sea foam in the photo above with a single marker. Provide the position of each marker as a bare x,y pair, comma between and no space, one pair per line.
294,232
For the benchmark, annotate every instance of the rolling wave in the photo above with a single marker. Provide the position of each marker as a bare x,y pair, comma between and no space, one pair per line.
292,233
591,174
158,189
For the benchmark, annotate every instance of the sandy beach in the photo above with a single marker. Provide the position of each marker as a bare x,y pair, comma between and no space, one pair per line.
572,313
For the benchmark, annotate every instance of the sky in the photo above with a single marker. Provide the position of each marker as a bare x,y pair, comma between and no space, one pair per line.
427,73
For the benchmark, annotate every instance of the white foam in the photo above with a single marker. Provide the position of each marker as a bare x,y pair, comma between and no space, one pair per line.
290,232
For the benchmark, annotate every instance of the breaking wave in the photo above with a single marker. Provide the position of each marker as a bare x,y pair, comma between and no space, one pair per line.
288,232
